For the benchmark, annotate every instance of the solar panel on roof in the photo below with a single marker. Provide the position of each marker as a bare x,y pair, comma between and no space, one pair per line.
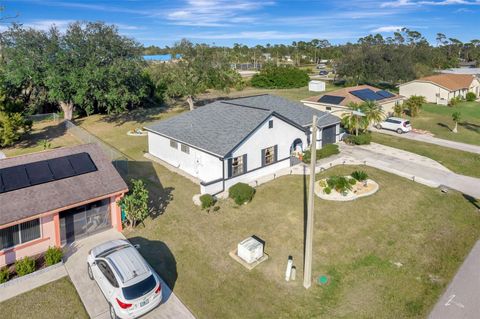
15,177
367,95
331,99
61,167
39,173
82,163
385,94
25,175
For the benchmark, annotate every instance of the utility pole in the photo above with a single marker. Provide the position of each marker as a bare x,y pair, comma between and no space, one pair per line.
307,268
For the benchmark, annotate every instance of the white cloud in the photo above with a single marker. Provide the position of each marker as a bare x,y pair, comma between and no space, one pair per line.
387,29
411,3
215,13
45,25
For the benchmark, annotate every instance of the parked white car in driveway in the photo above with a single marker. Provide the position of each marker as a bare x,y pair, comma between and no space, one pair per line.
131,287
396,124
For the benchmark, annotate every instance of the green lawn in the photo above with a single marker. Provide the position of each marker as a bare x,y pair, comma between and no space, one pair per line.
438,120
51,131
356,243
460,162
57,299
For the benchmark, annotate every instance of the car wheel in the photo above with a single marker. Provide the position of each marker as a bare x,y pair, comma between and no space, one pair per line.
378,126
113,315
399,131
89,271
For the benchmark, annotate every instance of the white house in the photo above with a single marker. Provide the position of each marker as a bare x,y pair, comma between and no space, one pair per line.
441,88
238,140
339,100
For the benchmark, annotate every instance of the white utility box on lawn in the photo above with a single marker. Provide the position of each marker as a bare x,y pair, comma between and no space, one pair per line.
250,250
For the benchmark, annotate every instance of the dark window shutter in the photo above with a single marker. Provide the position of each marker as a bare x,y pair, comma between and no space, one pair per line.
229,167
244,163
263,158
275,158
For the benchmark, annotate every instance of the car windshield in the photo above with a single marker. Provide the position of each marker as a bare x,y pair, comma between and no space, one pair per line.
139,289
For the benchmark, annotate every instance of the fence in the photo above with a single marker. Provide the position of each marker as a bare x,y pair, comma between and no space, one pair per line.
44,117
119,160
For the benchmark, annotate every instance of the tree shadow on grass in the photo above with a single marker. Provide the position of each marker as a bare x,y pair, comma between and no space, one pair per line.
470,126
140,115
444,126
475,202
160,196
161,258
37,135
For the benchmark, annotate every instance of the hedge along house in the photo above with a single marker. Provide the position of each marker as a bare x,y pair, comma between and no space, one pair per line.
337,101
441,88
54,197
240,140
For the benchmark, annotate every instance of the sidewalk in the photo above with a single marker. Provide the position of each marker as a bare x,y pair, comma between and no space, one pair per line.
432,140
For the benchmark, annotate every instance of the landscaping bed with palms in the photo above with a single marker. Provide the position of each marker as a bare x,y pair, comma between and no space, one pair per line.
345,188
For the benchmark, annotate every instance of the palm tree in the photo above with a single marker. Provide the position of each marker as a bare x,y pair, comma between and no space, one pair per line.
456,117
373,112
414,103
353,122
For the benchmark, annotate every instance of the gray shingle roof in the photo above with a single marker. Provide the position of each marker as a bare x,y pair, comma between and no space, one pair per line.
220,126
47,197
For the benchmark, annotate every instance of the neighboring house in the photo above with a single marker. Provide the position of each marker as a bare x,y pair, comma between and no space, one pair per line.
53,197
441,88
339,100
239,140
470,71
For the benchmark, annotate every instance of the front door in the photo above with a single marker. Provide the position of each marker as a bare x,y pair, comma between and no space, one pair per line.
329,135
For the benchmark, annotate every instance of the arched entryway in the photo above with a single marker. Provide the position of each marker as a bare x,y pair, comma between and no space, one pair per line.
296,151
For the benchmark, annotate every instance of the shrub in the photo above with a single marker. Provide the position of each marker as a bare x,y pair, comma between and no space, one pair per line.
352,181
53,255
216,208
454,101
280,77
339,183
4,275
207,201
324,152
327,190
470,97
360,175
241,193
362,139
24,266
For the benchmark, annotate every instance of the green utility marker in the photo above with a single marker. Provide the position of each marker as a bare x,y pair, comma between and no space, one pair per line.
322,280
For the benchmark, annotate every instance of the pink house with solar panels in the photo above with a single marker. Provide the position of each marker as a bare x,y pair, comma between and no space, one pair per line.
55,197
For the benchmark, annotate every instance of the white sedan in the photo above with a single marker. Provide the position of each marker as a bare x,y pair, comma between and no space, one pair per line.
131,287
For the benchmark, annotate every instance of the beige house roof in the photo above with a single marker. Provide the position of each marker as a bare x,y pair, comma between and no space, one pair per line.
451,82
349,97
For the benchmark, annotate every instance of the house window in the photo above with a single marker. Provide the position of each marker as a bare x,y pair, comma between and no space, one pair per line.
237,166
328,108
174,144
19,234
269,155
185,148
270,124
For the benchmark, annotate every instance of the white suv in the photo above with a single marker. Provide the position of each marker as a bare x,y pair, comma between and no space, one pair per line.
131,287
395,124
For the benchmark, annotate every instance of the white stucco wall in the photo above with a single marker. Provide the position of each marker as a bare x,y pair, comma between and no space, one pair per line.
428,90
199,164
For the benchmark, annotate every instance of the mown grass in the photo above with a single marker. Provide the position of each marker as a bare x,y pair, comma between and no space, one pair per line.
460,162
355,243
438,120
58,299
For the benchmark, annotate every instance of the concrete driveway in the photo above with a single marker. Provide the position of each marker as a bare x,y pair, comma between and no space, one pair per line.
461,299
92,297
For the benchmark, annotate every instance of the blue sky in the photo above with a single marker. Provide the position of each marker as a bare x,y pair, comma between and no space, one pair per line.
224,22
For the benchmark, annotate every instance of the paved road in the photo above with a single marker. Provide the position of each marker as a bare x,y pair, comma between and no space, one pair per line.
91,296
461,300
433,140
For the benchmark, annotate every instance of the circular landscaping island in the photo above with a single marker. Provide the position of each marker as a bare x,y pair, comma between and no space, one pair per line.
345,188
137,132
